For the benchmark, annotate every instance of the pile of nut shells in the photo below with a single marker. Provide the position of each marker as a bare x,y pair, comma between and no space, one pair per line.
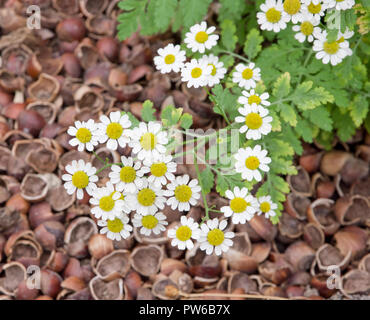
74,68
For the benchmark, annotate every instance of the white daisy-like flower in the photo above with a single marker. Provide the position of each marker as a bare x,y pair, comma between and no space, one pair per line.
293,9
182,235
116,228
333,52
147,199
266,206
256,121
108,203
161,169
150,223
200,37
340,4
249,161
84,133
314,8
170,58
306,28
196,73
214,238
218,70
251,97
242,205
246,76
148,140
80,176
128,177
273,17
183,193
114,130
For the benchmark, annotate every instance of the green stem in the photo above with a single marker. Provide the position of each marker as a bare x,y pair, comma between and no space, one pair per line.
309,54
206,208
235,55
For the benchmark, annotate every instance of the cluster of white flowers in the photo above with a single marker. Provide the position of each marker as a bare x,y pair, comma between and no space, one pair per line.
305,15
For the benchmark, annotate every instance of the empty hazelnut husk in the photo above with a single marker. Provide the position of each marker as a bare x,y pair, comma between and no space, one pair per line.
313,235
239,280
260,251
50,235
15,273
239,255
99,246
71,29
202,265
34,187
4,193
300,255
46,109
321,212
355,281
87,97
57,260
114,265
352,210
361,188
300,183
102,290
365,263
77,236
46,88
327,256
147,259
289,228
320,283
263,227
73,284
165,289
169,265
351,240
43,160
276,271
87,53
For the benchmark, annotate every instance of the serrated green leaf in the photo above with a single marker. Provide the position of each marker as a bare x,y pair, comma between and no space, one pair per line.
252,45
224,102
193,11
288,113
282,86
320,116
231,9
359,108
207,178
129,20
186,121
147,113
306,99
171,115
305,130
228,37
344,125
164,11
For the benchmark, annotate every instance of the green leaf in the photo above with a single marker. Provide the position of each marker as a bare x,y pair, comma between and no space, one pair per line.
207,179
171,115
344,125
129,20
252,45
320,116
306,98
225,102
305,130
359,108
186,121
164,12
288,114
228,37
193,11
147,113
231,9
221,184
282,86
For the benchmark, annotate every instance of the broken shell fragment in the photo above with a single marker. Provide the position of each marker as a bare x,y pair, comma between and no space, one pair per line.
46,88
352,210
114,265
321,213
300,183
165,289
15,273
34,187
102,290
147,259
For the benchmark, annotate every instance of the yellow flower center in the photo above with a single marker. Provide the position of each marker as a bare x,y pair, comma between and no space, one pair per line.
146,197
149,221
114,130
80,179
201,37
339,0
83,135
158,169
331,48
252,163
215,237
273,15
106,203
265,207
292,6
196,72
341,39
253,120
306,28
254,99
169,59
127,174
314,8
214,70
183,233
183,193
148,141
115,225
238,205
247,73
